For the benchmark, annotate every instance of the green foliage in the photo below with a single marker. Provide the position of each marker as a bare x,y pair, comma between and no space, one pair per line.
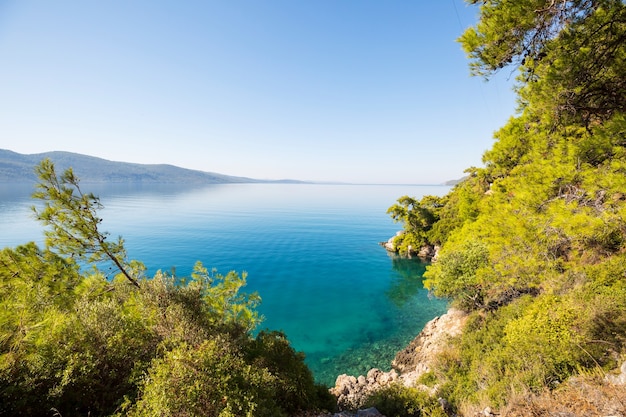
293,386
456,274
73,218
549,286
84,346
79,343
432,219
223,300
211,379
510,31
224,377
417,218
460,206
534,243
534,343
579,78
513,144
399,401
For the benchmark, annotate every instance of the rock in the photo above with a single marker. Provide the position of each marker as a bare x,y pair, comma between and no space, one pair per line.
415,359
352,392
409,364
445,406
426,252
390,244
373,375
437,248
385,378
619,379
369,412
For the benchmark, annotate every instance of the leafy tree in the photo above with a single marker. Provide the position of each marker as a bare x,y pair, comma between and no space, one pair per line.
510,31
416,216
74,342
533,243
580,77
73,218
570,53
396,400
456,274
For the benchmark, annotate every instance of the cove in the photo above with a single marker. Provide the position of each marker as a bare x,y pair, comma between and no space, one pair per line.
310,250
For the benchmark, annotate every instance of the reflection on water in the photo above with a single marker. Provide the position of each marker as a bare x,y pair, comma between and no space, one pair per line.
408,281
310,250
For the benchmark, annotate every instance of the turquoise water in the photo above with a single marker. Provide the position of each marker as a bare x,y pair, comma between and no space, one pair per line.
311,251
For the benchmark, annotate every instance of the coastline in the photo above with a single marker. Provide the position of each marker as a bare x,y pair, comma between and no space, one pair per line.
426,252
411,362
408,366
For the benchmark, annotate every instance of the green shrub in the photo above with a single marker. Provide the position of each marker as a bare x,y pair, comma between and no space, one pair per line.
399,401
456,274
210,380
293,388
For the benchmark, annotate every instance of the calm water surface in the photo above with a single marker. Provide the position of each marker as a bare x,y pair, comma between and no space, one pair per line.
311,251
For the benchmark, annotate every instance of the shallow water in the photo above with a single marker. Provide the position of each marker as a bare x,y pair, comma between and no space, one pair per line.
311,251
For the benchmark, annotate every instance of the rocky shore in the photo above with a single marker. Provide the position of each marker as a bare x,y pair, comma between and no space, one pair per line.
426,252
407,367
606,397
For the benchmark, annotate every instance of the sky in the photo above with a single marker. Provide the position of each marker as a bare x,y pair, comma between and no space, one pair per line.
356,91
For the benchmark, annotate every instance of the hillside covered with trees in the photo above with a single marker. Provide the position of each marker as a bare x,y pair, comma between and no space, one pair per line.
533,244
533,247
18,168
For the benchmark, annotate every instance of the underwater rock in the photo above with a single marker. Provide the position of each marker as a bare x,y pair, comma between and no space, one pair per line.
409,364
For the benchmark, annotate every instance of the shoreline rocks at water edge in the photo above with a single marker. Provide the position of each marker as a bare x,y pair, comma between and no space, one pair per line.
426,252
407,367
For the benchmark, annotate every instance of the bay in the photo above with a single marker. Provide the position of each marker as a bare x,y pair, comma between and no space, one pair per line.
310,250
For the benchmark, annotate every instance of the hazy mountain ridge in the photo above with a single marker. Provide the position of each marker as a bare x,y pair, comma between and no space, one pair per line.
16,167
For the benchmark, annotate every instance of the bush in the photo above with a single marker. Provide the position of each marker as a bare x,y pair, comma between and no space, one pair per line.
210,380
79,344
294,388
456,274
399,401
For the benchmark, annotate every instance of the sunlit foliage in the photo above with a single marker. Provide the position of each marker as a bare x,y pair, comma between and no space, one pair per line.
74,342
534,242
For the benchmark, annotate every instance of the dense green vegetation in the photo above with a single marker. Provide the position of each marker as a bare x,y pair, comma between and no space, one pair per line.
74,341
534,242
533,246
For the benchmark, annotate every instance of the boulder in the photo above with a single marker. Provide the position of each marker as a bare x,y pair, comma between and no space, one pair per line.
619,379
415,359
352,392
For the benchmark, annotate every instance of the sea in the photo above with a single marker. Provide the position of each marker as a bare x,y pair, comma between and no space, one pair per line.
311,251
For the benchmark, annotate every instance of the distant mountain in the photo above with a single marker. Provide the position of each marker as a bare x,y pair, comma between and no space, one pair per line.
16,167
455,182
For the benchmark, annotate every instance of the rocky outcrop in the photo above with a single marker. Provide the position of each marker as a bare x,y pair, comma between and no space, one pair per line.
619,379
390,244
417,357
351,392
408,365
427,252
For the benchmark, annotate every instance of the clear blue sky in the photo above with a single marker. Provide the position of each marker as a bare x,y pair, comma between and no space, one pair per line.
324,90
